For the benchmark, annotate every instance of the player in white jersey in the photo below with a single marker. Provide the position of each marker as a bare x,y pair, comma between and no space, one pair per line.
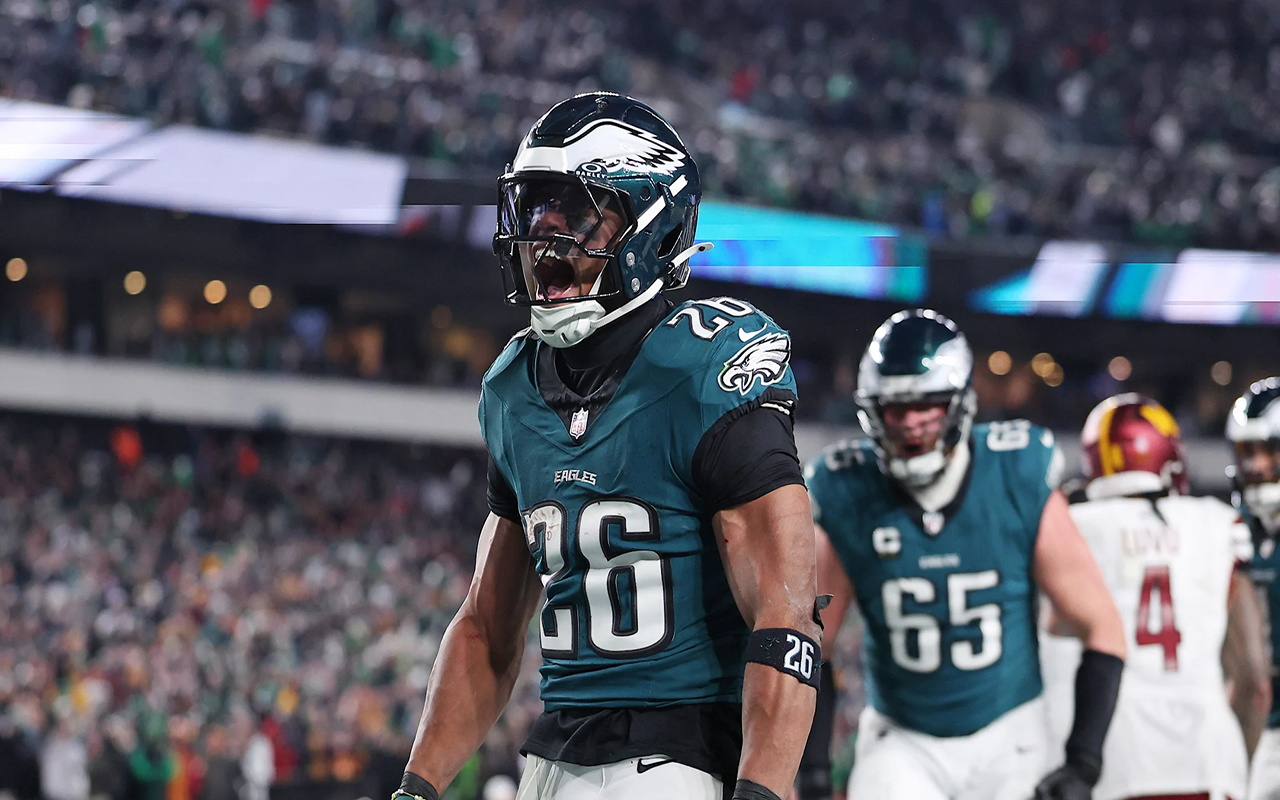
1192,621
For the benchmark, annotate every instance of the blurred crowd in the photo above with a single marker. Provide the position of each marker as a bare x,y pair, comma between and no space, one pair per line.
188,613
1147,120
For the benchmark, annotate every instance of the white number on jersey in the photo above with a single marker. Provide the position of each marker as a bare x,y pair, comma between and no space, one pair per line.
707,328
928,655
608,631
1012,435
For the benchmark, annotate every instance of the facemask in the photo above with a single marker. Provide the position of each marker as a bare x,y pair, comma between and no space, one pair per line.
566,324
1263,500
919,470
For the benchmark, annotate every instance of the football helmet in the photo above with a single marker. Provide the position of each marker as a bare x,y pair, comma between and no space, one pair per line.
1132,446
916,358
1253,428
596,215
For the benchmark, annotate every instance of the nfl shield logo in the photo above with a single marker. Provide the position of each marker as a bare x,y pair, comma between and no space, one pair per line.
578,424
933,522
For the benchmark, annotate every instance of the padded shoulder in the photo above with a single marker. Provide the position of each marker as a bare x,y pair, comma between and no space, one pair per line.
1029,463
735,354
838,477
513,362
721,356
522,343
1028,453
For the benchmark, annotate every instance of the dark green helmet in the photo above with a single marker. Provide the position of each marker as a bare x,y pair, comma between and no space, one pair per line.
916,357
617,184
1253,428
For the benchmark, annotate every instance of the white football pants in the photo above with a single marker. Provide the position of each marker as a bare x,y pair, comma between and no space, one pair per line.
1264,778
1003,761
633,779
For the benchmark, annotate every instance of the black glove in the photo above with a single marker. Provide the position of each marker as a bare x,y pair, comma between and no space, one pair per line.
413,787
814,783
1065,783
750,790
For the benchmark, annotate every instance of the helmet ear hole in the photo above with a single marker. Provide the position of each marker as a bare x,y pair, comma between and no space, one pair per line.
670,241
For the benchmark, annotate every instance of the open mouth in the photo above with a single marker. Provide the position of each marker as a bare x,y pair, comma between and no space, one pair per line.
556,276
911,449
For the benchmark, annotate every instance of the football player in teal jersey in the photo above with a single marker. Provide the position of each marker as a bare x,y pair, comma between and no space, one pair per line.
643,476
1253,428
944,532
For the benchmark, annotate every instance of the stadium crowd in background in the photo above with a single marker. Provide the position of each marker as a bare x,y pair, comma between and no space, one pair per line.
1141,120
186,613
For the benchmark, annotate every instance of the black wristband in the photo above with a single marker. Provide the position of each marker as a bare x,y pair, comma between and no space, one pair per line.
788,651
1097,686
750,790
416,786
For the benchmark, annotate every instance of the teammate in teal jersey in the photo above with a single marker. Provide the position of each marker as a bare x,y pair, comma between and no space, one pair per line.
943,531
643,472
1253,428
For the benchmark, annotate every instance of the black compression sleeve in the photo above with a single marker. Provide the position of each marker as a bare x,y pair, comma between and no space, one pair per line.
815,765
1097,685
502,498
748,453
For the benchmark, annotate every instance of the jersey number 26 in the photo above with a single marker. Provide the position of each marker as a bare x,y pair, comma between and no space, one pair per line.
615,581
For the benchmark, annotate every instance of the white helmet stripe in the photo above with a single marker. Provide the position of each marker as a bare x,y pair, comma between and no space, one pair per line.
651,213
614,146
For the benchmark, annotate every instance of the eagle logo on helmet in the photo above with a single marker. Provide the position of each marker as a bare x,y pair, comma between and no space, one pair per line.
605,146
763,359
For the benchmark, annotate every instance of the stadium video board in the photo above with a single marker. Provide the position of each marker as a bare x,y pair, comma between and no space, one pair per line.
39,141
1197,286
810,252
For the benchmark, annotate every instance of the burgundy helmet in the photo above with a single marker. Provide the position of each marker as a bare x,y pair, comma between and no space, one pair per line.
1133,436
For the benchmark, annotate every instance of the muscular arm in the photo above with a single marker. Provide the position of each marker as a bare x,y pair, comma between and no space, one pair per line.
832,580
479,656
1066,572
767,546
1244,661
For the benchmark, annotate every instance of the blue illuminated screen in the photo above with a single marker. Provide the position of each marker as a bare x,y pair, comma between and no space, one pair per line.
810,252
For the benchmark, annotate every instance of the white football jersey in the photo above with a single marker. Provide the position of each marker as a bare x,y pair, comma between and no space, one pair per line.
1168,564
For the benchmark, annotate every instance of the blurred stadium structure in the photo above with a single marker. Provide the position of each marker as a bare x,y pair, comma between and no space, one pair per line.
248,299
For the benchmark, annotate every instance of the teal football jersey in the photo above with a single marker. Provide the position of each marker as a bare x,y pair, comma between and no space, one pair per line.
947,598
1264,570
638,610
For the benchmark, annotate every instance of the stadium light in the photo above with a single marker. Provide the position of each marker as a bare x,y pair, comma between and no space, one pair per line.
999,363
260,296
1054,378
1042,364
1120,368
215,291
135,282
1221,373
15,270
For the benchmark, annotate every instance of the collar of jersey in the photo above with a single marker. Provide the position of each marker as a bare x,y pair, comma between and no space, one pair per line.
524,405
1125,484
916,512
